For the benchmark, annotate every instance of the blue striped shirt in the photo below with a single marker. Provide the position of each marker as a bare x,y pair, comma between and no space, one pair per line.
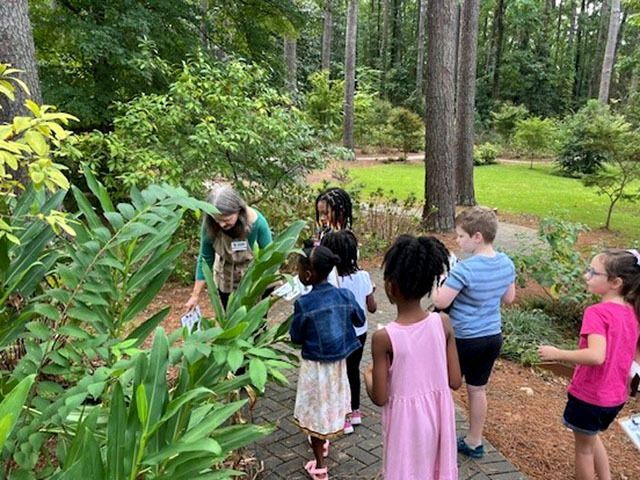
481,281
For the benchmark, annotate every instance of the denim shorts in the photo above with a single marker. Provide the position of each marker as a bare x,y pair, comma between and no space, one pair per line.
588,419
477,356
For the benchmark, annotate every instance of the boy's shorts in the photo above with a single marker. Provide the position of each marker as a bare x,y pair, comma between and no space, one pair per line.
586,418
477,356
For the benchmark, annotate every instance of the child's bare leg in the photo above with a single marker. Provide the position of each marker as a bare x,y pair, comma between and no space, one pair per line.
477,414
601,460
317,444
585,456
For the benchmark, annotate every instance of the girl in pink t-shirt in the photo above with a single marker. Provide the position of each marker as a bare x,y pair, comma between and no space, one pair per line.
606,349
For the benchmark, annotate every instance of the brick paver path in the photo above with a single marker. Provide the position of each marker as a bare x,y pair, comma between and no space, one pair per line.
356,456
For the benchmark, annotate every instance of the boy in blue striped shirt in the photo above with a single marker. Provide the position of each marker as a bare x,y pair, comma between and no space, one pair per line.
475,289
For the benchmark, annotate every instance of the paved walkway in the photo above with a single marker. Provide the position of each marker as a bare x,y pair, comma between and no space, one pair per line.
356,456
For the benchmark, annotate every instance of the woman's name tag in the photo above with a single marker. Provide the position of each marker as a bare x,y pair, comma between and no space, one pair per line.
239,246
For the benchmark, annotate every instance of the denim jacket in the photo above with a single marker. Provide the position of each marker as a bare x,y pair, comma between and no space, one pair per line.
323,322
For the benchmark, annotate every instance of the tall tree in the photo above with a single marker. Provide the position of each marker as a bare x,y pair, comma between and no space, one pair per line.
420,48
350,72
498,20
465,101
610,50
439,208
17,49
291,62
327,33
384,45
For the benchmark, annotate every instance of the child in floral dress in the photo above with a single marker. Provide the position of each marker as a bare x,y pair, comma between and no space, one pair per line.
323,322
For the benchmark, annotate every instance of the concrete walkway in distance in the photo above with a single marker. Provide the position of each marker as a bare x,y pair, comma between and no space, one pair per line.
359,456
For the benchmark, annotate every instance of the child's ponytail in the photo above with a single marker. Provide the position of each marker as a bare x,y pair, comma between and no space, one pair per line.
625,264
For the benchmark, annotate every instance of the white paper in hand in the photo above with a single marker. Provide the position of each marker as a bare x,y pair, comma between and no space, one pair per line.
191,319
292,290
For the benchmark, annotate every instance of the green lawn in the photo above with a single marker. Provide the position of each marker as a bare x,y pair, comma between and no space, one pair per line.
514,188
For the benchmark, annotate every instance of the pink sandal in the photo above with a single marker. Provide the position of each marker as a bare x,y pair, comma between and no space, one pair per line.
325,447
316,473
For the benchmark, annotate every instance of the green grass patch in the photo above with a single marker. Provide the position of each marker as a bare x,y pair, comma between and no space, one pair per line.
514,188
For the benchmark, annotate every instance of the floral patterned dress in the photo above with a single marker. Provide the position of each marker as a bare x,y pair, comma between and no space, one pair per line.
323,398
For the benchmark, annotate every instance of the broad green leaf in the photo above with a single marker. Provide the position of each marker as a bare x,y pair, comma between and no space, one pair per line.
117,448
99,191
145,296
200,445
141,404
235,359
258,373
11,407
145,328
213,420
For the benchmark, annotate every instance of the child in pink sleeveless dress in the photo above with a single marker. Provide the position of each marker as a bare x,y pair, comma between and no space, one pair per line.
415,364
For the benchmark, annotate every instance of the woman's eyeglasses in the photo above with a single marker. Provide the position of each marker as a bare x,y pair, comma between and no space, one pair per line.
591,272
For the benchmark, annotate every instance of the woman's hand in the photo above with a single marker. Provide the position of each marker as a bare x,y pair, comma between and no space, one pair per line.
191,303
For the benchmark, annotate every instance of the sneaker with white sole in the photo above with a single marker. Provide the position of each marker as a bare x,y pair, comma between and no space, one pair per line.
348,427
356,417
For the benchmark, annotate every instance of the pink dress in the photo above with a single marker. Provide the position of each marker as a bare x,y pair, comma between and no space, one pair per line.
418,420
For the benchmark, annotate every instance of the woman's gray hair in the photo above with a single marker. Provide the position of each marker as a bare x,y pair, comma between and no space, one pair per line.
226,199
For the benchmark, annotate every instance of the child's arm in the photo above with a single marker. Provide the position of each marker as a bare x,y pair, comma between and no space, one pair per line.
376,376
510,295
594,354
453,363
372,306
357,314
443,297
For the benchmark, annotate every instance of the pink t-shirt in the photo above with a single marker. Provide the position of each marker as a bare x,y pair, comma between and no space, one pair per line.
606,385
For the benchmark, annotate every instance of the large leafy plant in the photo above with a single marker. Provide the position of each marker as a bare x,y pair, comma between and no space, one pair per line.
144,425
216,117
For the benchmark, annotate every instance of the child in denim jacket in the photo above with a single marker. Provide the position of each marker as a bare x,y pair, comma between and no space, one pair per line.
323,322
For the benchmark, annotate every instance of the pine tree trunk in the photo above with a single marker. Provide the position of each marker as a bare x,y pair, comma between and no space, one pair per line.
350,72
605,15
326,36
384,45
497,58
457,49
439,208
578,58
291,62
420,57
609,55
465,102
17,49
558,25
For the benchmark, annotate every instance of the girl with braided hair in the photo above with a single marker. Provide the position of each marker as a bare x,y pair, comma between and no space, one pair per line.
334,211
349,276
415,364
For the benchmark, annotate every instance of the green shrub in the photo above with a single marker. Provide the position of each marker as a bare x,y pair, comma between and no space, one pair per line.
505,119
405,130
370,129
586,139
324,102
566,314
523,331
558,267
218,119
535,136
485,154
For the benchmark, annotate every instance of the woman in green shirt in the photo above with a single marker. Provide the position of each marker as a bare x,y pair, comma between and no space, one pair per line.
226,241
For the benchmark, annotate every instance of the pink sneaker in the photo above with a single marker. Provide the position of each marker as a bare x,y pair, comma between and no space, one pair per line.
348,428
356,417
